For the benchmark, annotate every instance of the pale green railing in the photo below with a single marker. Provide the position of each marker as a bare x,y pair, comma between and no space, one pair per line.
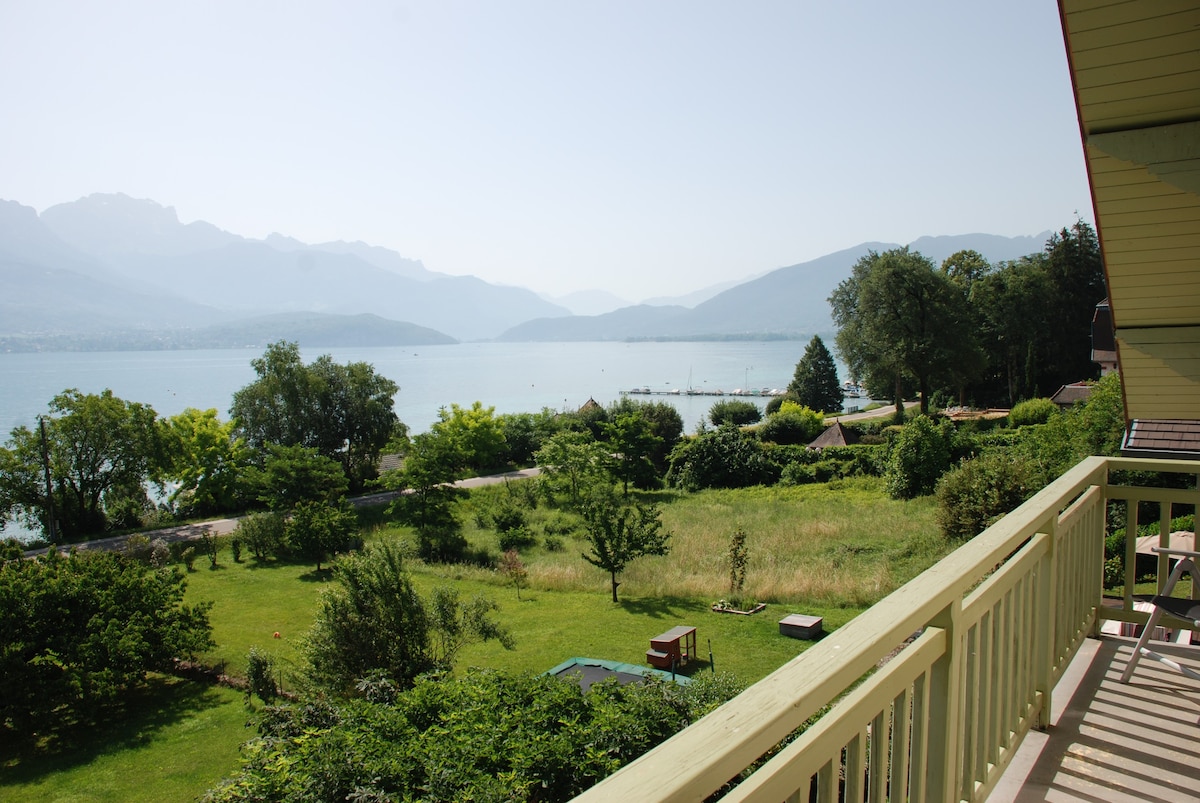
983,636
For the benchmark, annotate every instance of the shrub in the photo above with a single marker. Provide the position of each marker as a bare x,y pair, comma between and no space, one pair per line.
1031,411
920,455
264,534
260,675
738,412
516,538
794,423
979,491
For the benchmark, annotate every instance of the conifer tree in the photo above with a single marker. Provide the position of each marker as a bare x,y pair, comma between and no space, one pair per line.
815,384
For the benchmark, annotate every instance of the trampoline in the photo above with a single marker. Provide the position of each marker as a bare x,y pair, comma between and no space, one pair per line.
595,670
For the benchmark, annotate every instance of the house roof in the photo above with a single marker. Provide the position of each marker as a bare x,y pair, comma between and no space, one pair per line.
835,435
1068,395
1135,68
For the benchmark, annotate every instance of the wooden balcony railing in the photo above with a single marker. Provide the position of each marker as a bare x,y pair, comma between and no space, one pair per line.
983,636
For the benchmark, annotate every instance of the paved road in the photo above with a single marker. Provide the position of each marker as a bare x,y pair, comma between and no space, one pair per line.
194,531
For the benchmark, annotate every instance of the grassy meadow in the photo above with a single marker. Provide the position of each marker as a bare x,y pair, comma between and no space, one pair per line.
828,550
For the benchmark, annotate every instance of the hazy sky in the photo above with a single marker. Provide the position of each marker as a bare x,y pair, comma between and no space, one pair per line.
646,148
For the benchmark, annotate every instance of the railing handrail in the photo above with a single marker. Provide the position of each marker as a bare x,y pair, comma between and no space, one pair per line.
704,757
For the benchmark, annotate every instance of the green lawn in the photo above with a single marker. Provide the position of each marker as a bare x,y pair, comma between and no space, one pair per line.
826,551
174,741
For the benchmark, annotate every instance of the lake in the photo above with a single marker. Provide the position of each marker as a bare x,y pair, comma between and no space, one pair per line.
512,377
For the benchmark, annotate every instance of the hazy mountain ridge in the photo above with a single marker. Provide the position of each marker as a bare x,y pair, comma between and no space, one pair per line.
139,246
788,302
115,265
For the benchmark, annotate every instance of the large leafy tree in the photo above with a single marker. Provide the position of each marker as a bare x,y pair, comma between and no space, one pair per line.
619,533
474,433
345,412
664,421
81,630
631,443
572,464
317,530
1012,304
202,456
101,452
815,383
900,318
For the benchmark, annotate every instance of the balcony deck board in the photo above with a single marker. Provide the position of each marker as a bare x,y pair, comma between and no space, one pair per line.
1114,742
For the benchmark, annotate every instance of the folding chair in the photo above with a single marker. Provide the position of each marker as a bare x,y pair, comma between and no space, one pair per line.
1187,609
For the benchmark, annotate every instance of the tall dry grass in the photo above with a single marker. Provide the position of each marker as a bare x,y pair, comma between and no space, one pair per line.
841,544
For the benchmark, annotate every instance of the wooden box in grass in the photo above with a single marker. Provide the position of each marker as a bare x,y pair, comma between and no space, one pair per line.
798,625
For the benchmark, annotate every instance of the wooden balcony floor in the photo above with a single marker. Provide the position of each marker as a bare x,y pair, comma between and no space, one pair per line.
1114,742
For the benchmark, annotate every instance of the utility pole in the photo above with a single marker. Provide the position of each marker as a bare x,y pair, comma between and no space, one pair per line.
51,522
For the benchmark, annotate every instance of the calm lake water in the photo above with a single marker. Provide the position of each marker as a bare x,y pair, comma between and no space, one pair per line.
512,377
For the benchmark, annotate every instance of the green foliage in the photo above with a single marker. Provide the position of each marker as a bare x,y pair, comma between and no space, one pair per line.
375,621
725,458
739,558
793,424
260,676
1031,411
473,434
630,444
264,533
981,490
572,463
513,569
815,383
293,474
898,319
486,736
205,460
664,423
737,412
101,449
319,529
80,631
345,412
920,455
428,504
620,533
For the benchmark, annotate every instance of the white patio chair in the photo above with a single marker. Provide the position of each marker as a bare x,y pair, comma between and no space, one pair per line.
1187,609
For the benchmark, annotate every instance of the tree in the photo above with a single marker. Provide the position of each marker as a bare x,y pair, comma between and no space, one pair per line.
631,443
619,533
738,412
264,533
101,451
205,460
429,495
572,462
815,383
374,621
81,630
898,318
1013,306
345,412
512,567
474,434
920,456
664,421
294,474
319,529
1075,270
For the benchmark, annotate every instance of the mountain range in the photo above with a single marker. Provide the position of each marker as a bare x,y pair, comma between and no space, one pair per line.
111,271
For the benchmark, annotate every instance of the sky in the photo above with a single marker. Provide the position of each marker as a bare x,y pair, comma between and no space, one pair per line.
643,148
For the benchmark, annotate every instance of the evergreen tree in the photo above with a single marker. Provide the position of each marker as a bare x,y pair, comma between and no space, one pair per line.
815,384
